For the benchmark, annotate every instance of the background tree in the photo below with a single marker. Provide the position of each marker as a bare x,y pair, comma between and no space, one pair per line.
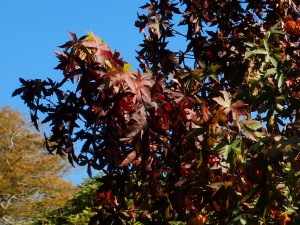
205,133
31,180
77,210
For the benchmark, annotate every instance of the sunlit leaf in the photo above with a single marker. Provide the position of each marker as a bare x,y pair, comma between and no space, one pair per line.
226,101
274,62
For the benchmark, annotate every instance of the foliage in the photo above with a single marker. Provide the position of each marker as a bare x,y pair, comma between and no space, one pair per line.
31,181
77,210
208,133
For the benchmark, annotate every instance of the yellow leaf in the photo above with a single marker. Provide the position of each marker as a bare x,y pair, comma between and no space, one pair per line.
126,67
198,220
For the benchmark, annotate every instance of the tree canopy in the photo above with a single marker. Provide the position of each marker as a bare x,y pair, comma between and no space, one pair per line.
31,181
77,210
206,133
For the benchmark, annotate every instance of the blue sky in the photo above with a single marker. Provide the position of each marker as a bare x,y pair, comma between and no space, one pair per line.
31,30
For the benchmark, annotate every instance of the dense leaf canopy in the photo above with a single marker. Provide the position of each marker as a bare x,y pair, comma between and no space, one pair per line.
31,180
206,133
77,210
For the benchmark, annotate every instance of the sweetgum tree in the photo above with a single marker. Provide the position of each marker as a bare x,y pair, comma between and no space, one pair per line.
208,133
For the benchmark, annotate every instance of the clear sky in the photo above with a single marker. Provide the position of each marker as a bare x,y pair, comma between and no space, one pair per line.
31,30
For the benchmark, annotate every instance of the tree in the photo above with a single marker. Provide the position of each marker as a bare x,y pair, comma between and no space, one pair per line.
31,180
77,210
208,133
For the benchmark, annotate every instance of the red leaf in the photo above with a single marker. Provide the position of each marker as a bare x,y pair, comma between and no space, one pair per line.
129,158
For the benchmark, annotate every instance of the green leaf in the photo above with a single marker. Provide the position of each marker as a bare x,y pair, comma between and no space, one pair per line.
281,81
256,147
276,29
274,62
237,220
270,72
200,160
260,51
277,57
220,146
235,144
259,134
266,45
249,195
214,68
267,60
227,152
195,132
197,74
248,55
250,44
252,124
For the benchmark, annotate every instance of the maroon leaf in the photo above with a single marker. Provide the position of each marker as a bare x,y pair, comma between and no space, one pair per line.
129,158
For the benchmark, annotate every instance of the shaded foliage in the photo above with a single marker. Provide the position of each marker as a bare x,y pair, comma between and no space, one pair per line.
77,210
208,133
31,181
